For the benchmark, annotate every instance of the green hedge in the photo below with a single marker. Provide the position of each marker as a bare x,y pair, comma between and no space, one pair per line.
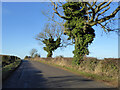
6,60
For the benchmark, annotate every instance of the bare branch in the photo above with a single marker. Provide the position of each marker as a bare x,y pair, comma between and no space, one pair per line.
106,5
106,18
101,4
100,8
110,21
93,12
88,15
59,4
107,29
103,27
102,13
55,9
94,3
105,10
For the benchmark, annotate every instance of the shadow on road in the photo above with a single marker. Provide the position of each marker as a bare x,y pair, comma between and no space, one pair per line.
26,76
67,81
69,78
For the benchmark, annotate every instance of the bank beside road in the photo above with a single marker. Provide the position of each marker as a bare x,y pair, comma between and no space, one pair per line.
9,64
104,71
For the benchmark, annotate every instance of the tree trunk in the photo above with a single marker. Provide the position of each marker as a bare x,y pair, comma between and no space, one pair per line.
78,54
49,54
82,40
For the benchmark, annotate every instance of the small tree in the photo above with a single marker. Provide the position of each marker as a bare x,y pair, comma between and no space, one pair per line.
52,37
33,52
36,55
26,57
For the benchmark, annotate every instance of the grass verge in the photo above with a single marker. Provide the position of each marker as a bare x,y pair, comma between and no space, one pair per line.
8,69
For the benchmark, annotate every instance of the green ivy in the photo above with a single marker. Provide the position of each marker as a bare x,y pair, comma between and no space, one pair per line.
77,29
51,45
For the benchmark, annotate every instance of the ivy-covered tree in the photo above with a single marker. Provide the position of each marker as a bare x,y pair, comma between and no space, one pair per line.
51,45
52,37
80,18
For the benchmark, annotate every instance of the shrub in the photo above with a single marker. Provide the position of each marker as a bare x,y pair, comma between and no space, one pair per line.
36,55
26,57
12,59
5,60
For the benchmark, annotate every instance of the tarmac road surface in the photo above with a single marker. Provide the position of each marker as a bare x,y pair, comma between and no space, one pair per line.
32,74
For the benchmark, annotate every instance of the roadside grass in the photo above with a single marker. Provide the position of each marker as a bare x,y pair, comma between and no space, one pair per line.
107,80
6,70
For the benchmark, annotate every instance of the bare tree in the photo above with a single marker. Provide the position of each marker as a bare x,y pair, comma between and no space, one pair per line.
33,52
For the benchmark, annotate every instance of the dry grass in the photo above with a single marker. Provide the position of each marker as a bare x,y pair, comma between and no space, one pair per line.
102,70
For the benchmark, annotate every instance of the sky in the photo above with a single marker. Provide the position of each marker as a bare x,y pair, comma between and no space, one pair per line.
22,21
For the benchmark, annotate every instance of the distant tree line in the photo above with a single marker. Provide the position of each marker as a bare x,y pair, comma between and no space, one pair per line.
33,54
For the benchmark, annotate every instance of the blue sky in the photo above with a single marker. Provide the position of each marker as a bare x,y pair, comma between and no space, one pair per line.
22,21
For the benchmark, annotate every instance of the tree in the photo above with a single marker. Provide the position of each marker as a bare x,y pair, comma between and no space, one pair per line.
36,55
33,52
52,37
26,57
80,18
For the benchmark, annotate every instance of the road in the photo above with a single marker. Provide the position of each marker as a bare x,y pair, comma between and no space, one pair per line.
33,74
